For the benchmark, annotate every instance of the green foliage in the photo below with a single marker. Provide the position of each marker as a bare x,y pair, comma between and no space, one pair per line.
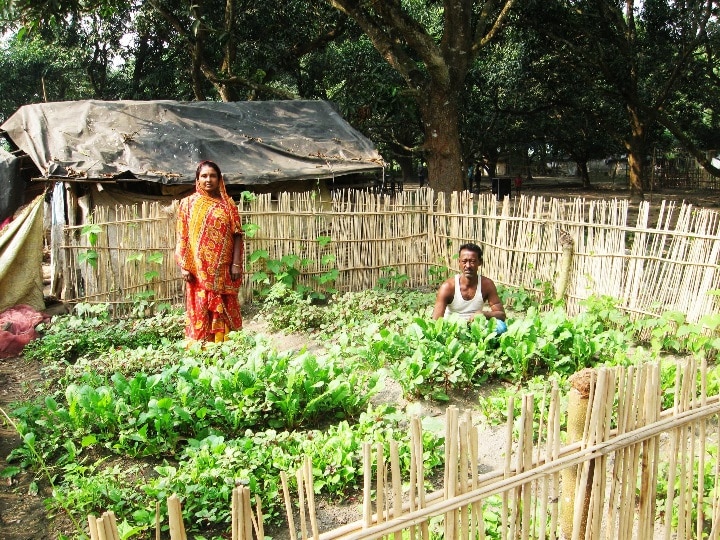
391,278
210,415
709,494
89,333
287,272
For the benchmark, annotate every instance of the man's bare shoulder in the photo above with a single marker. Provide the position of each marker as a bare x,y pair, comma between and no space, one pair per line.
447,288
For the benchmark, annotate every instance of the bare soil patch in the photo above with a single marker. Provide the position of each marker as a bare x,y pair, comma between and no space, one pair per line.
22,513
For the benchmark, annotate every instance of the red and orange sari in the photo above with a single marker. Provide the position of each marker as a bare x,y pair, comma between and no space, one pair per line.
206,230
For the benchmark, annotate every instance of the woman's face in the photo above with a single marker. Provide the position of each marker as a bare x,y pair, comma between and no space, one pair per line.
208,180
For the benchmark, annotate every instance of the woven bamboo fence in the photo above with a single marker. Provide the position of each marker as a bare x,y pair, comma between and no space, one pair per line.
636,472
651,258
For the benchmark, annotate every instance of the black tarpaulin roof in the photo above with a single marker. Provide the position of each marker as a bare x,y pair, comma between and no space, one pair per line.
254,142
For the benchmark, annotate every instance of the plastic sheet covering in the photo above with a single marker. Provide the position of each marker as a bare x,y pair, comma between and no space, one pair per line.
254,142
17,329
21,253
11,190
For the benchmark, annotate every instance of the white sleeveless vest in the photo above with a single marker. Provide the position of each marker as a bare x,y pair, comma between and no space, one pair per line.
465,308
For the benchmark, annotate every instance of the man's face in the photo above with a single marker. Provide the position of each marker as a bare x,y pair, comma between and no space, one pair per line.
469,263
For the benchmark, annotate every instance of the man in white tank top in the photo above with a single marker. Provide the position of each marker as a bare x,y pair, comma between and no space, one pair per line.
466,293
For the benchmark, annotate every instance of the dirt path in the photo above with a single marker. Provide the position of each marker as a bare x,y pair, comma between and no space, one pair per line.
22,513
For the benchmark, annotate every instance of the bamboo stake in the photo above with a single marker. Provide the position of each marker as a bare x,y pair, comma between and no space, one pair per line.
111,525
451,467
648,464
527,452
246,523
101,530
542,485
463,477
477,527
288,505
367,485
412,502
396,482
675,441
701,454
235,513
507,468
553,445
715,530
624,383
93,528
301,496
177,527
416,431
157,520
380,482
310,488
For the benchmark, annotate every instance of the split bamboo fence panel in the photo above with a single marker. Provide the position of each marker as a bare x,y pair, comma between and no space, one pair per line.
640,472
134,257
668,259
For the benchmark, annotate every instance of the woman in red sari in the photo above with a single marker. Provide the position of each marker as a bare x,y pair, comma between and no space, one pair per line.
210,254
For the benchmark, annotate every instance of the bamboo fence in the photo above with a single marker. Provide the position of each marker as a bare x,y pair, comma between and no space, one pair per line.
629,447
638,472
651,258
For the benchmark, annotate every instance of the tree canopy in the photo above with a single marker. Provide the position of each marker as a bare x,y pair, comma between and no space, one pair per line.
450,83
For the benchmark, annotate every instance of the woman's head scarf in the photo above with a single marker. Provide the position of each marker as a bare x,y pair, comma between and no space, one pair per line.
221,183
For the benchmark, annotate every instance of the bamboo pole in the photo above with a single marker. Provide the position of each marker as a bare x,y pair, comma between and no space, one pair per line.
367,484
380,483
177,527
101,529
235,513
157,520
246,523
528,408
301,498
578,402
508,463
93,527
310,489
451,468
288,505
699,524
396,482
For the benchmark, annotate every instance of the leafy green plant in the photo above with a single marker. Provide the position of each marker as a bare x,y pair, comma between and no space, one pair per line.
438,274
288,270
391,278
91,231
87,332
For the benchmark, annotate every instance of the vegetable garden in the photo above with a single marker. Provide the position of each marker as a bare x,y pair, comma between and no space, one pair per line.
129,414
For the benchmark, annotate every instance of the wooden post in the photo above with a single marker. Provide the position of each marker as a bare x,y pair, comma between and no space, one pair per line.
177,527
578,401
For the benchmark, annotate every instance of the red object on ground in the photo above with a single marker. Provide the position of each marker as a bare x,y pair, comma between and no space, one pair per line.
17,329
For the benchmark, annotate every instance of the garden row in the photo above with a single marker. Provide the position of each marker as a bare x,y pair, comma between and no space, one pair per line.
131,414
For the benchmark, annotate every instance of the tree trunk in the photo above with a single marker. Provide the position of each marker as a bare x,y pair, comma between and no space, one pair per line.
406,168
635,146
443,151
583,173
